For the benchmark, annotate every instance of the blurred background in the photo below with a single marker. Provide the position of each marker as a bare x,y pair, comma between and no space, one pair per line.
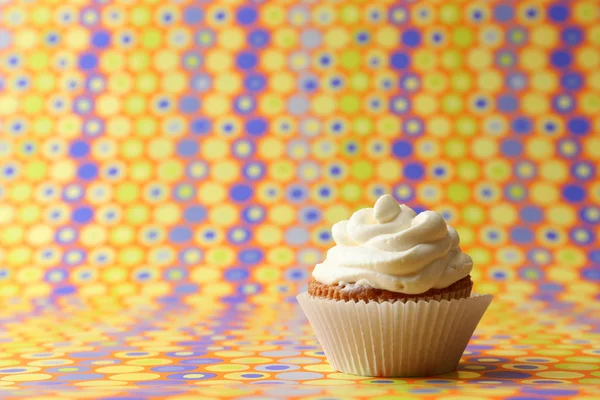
206,147
170,171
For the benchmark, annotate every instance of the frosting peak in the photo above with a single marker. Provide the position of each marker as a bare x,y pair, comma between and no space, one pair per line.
392,247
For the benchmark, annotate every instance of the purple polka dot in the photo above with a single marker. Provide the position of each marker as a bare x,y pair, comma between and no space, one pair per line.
173,368
250,376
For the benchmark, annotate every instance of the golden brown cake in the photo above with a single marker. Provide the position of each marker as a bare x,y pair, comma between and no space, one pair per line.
459,289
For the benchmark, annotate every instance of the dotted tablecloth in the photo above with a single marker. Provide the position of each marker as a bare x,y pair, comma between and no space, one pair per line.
170,171
178,347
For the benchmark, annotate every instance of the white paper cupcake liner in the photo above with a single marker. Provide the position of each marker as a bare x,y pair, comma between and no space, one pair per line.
394,339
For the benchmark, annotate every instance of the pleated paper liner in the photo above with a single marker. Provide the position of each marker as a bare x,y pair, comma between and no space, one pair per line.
394,339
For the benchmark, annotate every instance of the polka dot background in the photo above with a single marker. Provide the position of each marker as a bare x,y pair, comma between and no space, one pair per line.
185,161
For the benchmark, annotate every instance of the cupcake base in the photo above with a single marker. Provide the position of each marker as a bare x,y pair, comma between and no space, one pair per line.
459,289
394,339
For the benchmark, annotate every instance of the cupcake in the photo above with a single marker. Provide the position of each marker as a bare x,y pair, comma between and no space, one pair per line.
393,297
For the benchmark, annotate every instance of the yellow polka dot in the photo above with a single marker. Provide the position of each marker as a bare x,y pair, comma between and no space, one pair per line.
20,192
167,214
214,149
282,82
535,104
282,170
484,148
29,274
533,59
232,39
491,81
227,83
280,255
587,58
223,215
439,126
572,256
131,255
425,104
203,274
7,363
582,288
498,170
19,256
120,83
272,60
271,148
12,235
554,352
8,105
93,235
271,104
593,79
268,235
26,377
135,215
435,82
172,82
544,35
539,149
282,214
99,383
323,105
388,170
166,60
479,58
340,375
285,38
63,171
160,148
559,374
233,353
337,37
578,367
218,61
387,36
225,171
503,214
215,105
170,170
127,193
544,81
108,105
336,213
211,193
554,170
585,12
39,235
561,215
227,368
583,359
544,193
590,103
592,148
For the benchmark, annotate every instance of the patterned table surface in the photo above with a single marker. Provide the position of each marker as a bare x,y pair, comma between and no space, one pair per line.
201,149
199,346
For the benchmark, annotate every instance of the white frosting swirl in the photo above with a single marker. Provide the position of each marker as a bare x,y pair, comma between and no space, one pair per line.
391,247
